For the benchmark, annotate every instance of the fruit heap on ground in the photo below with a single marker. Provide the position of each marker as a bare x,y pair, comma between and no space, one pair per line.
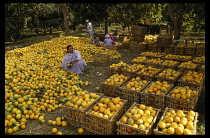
193,77
157,87
191,45
135,84
188,64
199,59
185,93
149,70
116,79
139,59
177,122
154,60
118,65
59,121
139,116
35,83
107,107
170,63
82,100
169,73
134,67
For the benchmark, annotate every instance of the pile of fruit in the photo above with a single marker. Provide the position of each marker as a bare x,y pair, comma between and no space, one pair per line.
150,39
149,70
107,107
169,73
154,60
199,59
139,116
188,64
157,87
191,45
139,59
153,54
193,77
81,101
135,84
169,63
118,65
177,122
201,45
132,68
181,44
185,93
116,79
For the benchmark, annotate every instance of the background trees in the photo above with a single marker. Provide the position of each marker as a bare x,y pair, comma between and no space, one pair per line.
67,16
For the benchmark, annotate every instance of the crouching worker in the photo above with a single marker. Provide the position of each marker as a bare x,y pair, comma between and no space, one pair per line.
73,61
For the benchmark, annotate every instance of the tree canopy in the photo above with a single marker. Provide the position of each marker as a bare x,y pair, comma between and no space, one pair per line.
190,16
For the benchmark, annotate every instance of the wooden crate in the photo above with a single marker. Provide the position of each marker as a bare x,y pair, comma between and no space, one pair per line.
179,50
157,129
168,50
76,116
102,59
164,41
142,47
138,30
113,87
173,81
190,50
181,104
200,51
138,38
155,100
192,85
125,129
201,69
114,71
130,95
102,126
110,92
134,47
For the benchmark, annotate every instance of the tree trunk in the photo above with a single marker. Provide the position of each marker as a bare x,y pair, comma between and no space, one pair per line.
66,25
177,22
106,26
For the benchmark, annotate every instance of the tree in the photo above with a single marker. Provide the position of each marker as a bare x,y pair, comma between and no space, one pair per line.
180,12
63,7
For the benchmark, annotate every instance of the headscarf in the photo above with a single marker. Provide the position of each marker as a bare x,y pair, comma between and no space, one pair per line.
107,36
68,47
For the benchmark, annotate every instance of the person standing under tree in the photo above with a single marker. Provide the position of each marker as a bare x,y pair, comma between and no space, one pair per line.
90,30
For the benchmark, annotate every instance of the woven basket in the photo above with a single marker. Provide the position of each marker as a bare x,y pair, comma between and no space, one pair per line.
148,77
102,126
125,129
179,50
157,129
190,50
155,100
200,51
173,81
174,67
192,85
131,95
76,116
184,69
102,59
114,71
181,104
